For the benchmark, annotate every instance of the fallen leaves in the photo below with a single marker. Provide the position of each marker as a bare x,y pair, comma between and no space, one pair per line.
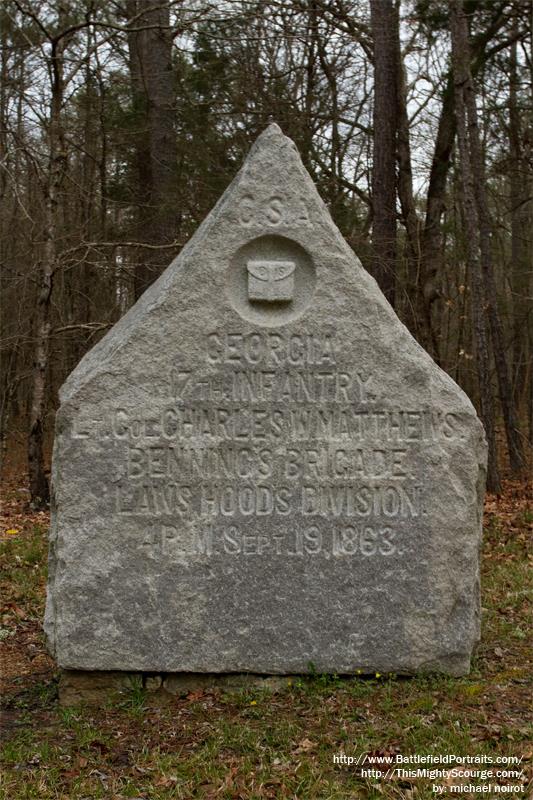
305,746
166,781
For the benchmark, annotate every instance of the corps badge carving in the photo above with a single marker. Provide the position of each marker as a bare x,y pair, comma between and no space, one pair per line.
271,281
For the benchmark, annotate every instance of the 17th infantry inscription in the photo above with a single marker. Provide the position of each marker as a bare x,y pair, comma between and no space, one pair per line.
258,469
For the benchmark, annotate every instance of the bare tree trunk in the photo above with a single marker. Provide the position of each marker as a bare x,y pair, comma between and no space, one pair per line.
418,319
528,217
384,26
310,84
39,489
510,418
431,244
154,97
335,158
459,31
142,161
8,387
4,76
518,200
431,255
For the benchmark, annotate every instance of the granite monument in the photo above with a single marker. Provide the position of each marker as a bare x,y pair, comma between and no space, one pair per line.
259,470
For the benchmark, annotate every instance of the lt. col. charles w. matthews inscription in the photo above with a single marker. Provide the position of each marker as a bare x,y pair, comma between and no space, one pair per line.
258,469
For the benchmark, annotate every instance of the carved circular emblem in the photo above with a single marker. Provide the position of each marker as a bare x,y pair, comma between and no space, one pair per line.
271,280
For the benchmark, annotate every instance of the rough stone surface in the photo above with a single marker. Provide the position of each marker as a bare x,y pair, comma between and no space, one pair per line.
259,469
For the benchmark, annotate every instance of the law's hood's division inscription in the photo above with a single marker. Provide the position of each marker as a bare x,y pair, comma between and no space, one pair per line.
258,469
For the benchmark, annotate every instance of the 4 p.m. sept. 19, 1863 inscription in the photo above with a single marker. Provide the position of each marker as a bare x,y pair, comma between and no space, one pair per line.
275,425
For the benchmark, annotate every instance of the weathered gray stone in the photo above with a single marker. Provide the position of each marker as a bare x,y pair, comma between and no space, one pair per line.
259,469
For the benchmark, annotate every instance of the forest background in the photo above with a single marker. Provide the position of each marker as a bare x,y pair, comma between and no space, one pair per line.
122,122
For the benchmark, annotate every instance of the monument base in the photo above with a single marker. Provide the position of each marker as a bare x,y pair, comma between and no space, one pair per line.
94,688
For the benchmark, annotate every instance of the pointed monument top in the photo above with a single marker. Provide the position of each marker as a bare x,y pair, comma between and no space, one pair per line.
272,136
273,129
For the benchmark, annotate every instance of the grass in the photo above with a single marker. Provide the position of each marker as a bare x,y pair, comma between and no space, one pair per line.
259,743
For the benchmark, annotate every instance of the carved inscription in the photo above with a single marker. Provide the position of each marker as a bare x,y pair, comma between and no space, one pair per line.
214,424
273,426
272,211
276,349
364,541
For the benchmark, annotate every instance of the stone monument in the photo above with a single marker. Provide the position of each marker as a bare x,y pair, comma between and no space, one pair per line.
259,470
